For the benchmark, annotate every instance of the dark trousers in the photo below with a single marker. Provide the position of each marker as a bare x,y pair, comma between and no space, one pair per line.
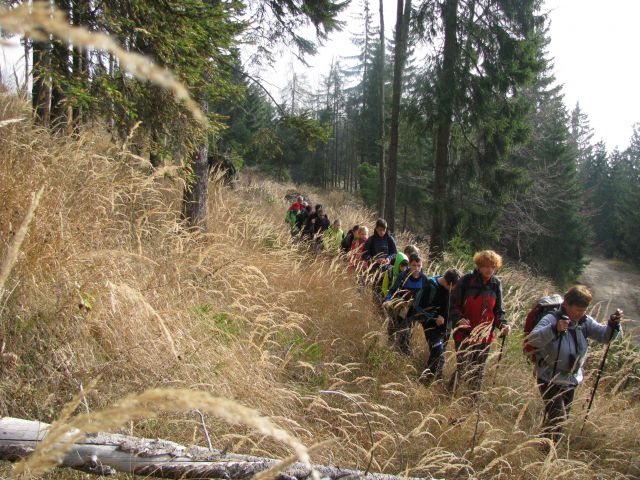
471,362
557,404
399,330
437,341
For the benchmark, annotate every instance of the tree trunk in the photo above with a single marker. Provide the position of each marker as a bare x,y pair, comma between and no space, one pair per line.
60,76
382,167
40,91
27,53
196,192
154,156
445,90
336,146
108,453
402,33
404,220
80,58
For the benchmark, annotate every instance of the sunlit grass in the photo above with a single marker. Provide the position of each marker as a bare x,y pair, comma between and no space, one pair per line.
108,287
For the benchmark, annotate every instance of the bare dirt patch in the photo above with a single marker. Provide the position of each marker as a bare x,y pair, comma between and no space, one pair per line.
616,285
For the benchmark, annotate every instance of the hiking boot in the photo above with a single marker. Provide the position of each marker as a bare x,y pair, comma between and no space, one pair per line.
426,378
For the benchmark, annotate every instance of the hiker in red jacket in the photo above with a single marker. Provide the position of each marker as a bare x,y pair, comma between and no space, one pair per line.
295,209
357,247
477,312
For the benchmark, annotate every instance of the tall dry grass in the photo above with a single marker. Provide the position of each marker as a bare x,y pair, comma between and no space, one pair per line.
109,288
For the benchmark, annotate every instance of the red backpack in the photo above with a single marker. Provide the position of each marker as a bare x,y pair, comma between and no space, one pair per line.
542,307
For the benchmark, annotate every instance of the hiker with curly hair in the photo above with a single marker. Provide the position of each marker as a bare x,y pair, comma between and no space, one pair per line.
476,313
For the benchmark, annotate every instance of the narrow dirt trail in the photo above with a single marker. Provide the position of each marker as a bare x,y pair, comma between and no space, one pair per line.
616,285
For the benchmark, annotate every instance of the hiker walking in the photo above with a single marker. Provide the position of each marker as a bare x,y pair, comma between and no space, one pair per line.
378,249
560,340
316,223
433,306
345,244
400,302
357,248
392,270
476,312
293,211
301,218
333,236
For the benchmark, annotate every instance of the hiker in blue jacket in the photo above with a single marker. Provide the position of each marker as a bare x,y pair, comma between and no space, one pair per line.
561,343
400,301
433,305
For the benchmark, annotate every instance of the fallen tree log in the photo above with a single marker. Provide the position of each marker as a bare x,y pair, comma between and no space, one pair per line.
108,453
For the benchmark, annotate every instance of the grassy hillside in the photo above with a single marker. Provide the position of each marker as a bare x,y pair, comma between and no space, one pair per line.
108,290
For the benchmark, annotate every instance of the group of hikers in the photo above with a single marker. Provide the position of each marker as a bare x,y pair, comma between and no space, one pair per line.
465,307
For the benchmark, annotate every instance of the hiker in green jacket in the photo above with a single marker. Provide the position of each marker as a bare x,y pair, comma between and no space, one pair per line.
333,236
393,270
293,211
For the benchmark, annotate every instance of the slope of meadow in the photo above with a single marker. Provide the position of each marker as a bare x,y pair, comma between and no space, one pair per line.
109,291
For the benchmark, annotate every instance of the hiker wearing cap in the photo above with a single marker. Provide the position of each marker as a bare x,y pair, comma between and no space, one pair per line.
560,340
433,306
476,312
400,303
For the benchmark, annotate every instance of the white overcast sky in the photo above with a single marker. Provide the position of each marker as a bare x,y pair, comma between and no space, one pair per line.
594,44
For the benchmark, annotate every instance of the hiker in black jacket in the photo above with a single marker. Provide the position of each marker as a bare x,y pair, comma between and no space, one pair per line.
433,305
345,245
315,223
301,219
380,246
378,250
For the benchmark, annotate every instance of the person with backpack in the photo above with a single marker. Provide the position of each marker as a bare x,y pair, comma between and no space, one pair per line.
393,269
357,247
332,237
400,301
561,340
293,211
476,313
378,250
345,244
433,306
380,246
301,219
316,223
542,307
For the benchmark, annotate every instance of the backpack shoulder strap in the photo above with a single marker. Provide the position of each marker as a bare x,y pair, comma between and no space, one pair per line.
464,286
432,283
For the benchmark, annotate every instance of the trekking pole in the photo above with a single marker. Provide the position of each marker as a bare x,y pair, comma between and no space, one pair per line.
502,342
615,316
555,367
449,335
555,364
